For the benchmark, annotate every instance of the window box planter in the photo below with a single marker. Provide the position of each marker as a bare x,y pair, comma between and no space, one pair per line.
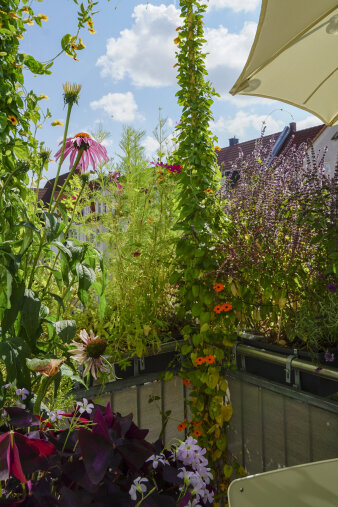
293,367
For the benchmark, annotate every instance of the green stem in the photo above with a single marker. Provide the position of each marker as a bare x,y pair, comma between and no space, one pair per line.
71,172
70,105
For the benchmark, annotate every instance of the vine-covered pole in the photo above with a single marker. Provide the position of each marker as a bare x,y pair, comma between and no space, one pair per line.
199,219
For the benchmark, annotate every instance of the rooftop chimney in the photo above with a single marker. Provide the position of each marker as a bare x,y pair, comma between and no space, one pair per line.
233,141
293,127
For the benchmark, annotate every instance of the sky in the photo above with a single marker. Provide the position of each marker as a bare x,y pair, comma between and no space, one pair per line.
126,71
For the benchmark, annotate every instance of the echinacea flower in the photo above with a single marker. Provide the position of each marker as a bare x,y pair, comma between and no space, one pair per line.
181,426
210,359
199,361
226,307
93,152
12,119
218,287
90,352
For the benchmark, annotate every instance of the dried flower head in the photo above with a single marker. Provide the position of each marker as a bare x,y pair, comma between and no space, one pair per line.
71,93
90,352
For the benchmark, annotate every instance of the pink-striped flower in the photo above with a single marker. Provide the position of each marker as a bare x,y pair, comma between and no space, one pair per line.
93,153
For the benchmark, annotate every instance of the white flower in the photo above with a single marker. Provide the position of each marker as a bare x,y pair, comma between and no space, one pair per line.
85,406
138,486
158,459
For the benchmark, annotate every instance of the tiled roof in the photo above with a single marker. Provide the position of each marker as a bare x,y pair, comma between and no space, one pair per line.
228,155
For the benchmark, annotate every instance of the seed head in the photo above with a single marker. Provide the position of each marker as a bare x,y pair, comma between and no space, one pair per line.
71,93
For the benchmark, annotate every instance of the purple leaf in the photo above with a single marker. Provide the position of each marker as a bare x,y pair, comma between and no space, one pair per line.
135,453
21,418
96,452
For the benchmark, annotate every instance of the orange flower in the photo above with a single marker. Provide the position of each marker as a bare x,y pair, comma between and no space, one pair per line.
208,191
199,361
197,433
19,36
187,382
195,423
12,119
226,307
178,28
218,287
91,30
181,426
217,148
218,308
210,359
177,40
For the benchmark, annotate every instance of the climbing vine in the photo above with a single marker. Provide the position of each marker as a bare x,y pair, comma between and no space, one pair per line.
205,352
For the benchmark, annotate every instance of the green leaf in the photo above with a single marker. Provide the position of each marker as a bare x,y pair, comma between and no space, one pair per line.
62,248
3,122
186,349
35,66
30,313
21,149
13,352
52,225
65,41
66,329
86,278
68,372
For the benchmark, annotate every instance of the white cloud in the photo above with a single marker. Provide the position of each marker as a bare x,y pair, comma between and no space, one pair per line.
229,49
145,53
120,106
309,121
150,145
235,5
245,100
242,122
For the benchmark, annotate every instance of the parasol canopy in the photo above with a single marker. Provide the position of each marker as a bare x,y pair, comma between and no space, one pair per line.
294,57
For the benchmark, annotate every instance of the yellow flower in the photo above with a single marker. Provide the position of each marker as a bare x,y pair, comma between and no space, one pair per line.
177,40
56,122
178,28
176,64
43,17
91,30
19,36
29,22
217,148
80,44
42,96
90,23
25,9
12,119
13,15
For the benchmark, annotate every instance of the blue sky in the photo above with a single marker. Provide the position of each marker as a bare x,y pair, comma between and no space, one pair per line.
126,70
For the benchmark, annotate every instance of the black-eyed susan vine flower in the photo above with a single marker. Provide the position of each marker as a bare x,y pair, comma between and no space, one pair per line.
43,17
57,123
12,119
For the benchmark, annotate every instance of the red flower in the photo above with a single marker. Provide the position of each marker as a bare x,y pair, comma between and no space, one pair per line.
18,450
218,287
181,426
199,361
210,359
187,382
136,254
195,423
218,308
226,307
197,433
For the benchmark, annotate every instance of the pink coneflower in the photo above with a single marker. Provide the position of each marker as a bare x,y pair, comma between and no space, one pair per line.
90,353
93,152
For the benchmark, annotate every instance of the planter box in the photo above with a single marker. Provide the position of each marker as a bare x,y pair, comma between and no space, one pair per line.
285,373
152,362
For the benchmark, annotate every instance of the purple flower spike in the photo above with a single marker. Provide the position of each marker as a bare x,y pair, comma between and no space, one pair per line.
94,153
329,357
332,287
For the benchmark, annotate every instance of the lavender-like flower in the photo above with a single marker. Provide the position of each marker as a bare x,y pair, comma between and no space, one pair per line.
157,460
329,357
22,392
55,415
138,486
93,153
85,406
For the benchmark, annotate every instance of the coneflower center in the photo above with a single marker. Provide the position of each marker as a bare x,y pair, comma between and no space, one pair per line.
95,348
82,134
